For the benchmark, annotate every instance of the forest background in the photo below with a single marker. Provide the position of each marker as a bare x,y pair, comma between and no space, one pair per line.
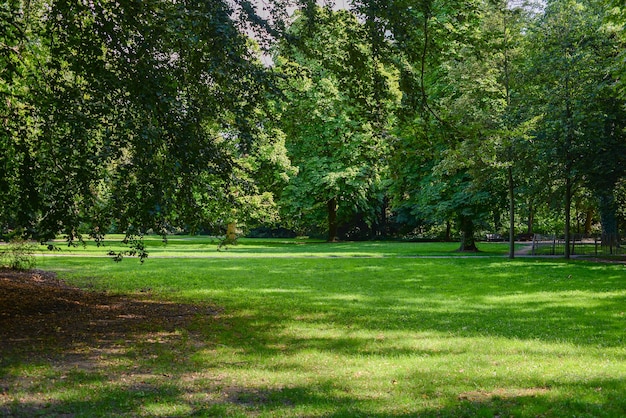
379,119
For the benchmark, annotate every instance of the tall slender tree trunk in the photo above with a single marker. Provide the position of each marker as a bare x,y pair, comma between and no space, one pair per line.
531,218
610,236
383,228
568,216
507,89
569,139
332,220
448,237
511,213
588,221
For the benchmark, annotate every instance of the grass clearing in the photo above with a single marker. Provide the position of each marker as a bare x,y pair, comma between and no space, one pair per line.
321,330
206,246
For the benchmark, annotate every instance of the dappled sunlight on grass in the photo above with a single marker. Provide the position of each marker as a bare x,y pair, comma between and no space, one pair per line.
302,335
572,299
279,290
397,369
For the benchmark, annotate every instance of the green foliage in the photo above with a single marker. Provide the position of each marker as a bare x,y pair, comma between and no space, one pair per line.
453,99
141,114
479,105
160,116
136,248
18,254
335,114
581,135
615,25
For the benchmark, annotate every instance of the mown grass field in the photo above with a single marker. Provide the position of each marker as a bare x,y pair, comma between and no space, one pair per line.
187,246
308,329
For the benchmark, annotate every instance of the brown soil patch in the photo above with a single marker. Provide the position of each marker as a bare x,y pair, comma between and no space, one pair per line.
39,313
485,396
130,343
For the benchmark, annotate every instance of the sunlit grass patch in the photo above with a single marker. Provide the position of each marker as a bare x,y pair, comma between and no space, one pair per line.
166,409
206,246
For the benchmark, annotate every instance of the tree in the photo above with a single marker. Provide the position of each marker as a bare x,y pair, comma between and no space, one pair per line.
138,114
435,46
20,53
483,103
581,118
333,120
615,23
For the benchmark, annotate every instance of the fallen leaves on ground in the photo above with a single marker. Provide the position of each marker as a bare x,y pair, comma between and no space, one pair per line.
39,313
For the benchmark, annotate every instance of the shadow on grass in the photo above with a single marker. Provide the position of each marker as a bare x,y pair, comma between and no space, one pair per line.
324,399
112,400
66,352
573,303
132,357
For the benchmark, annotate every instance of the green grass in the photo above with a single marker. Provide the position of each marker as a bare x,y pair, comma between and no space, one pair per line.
203,246
368,329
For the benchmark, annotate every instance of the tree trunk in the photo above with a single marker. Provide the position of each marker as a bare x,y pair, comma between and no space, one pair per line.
588,221
509,171
468,243
568,215
610,236
332,220
231,233
383,228
569,139
511,213
531,219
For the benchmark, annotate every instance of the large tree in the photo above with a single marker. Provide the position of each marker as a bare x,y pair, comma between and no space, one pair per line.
143,114
581,133
335,116
434,43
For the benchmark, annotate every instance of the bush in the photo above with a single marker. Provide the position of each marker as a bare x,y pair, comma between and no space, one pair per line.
18,254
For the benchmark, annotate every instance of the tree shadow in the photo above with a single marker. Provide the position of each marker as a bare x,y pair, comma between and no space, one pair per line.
41,312
124,355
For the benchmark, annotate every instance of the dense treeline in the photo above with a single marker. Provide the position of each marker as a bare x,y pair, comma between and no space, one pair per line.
393,118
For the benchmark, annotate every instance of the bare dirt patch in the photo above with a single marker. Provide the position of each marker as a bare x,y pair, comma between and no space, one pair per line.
39,314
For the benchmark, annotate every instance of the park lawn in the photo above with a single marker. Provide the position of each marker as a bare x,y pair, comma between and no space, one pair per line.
391,336
204,246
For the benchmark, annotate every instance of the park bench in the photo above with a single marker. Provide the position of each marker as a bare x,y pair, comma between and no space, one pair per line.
494,237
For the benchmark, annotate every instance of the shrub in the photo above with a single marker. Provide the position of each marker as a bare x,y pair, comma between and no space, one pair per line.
18,254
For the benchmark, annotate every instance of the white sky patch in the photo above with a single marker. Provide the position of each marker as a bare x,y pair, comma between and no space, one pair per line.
263,9
263,6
